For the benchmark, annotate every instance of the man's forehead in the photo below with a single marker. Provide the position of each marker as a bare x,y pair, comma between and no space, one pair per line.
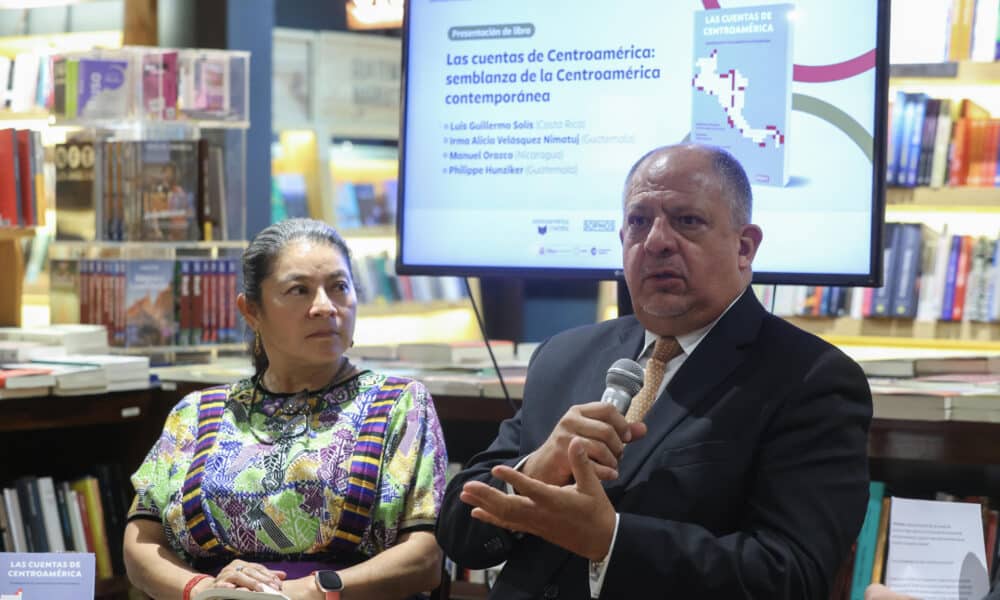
672,182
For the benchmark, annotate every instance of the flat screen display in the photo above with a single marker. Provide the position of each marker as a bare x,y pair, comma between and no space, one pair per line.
521,119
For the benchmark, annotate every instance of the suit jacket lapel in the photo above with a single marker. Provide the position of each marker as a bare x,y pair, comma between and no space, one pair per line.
712,361
626,342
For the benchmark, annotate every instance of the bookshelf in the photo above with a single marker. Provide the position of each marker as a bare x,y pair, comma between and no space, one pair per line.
151,176
966,210
110,428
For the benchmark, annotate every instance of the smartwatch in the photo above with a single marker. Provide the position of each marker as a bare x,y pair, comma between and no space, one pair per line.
329,582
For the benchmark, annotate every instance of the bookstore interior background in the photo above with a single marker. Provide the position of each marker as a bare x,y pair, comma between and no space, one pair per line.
143,141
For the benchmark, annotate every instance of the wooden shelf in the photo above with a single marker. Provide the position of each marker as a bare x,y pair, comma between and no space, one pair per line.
14,233
370,231
464,408
950,442
178,245
844,331
945,199
198,348
40,116
57,412
408,309
965,72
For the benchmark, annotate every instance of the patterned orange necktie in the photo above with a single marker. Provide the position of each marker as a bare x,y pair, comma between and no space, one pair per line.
665,349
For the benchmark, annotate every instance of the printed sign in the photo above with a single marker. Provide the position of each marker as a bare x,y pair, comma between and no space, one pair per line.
46,576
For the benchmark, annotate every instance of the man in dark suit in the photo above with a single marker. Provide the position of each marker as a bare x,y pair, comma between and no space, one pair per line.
747,477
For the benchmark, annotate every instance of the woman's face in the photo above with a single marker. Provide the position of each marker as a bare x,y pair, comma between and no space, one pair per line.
308,306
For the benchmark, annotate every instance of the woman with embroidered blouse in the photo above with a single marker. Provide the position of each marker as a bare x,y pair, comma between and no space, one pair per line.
313,477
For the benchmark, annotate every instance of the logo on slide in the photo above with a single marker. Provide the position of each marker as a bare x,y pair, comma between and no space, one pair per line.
543,229
599,225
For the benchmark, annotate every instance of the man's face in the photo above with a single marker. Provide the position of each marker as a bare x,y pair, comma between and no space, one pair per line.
685,260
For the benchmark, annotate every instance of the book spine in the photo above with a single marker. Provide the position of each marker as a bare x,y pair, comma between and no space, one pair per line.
916,131
951,274
50,514
881,542
865,555
197,301
962,278
882,297
184,329
88,488
31,514
904,300
26,178
18,531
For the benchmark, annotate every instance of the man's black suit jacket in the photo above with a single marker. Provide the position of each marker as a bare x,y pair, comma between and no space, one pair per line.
752,481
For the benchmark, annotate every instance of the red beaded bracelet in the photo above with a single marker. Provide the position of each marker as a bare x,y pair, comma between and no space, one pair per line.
193,582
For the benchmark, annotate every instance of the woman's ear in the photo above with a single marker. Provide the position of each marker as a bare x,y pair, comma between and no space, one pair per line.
249,311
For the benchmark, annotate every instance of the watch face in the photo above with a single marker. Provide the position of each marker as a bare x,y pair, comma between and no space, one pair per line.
329,581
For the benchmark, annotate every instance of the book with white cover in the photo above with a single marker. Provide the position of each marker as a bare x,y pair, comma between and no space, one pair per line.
453,353
126,385
70,377
24,82
76,338
75,519
19,379
22,351
50,514
5,65
80,391
32,392
13,507
118,368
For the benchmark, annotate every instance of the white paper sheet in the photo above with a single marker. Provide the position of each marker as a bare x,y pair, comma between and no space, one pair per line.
936,550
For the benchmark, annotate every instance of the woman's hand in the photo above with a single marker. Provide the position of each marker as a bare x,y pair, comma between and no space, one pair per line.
241,574
877,591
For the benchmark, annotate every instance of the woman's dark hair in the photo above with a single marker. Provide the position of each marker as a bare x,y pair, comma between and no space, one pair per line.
259,257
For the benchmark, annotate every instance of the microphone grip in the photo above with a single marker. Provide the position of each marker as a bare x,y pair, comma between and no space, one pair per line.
618,397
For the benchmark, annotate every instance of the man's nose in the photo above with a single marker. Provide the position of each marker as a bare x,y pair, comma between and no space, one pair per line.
661,237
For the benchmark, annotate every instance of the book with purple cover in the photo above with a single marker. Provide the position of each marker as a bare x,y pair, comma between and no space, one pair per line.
102,90
48,575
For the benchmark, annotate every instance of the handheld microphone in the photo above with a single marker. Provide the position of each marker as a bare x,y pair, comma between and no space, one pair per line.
624,380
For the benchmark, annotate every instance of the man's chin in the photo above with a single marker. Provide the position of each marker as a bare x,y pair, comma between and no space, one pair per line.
664,310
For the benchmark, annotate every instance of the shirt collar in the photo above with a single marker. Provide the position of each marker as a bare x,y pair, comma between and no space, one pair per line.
688,341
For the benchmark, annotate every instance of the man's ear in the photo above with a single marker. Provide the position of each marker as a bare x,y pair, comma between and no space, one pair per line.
750,238
249,311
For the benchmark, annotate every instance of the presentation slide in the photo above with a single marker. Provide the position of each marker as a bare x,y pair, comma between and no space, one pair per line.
522,119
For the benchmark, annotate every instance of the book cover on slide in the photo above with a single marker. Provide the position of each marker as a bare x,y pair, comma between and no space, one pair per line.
742,86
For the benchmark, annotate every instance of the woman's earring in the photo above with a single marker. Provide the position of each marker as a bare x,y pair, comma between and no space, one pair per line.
256,343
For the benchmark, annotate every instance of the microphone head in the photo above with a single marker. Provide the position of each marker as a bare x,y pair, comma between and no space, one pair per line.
625,373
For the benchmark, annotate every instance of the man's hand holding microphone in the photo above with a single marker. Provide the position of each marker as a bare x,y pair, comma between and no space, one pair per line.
559,484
